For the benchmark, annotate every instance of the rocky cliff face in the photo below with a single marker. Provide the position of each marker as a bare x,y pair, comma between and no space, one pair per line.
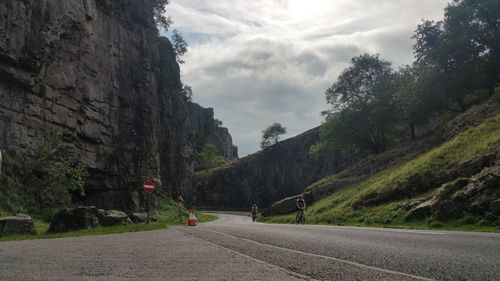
267,176
96,71
208,131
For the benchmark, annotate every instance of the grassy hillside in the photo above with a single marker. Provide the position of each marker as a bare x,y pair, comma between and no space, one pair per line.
379,200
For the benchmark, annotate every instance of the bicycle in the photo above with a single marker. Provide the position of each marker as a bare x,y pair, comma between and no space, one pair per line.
254,216
300,218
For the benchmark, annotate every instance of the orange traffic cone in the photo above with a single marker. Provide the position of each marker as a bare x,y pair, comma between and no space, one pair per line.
192,221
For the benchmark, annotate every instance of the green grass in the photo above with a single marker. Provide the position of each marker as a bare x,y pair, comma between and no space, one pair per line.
167,215
338,208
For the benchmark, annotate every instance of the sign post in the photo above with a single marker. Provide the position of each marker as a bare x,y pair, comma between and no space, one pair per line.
149,187
180,202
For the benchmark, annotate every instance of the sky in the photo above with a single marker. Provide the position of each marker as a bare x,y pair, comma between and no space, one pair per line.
264,61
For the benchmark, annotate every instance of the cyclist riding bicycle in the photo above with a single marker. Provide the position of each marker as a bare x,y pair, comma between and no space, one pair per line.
254,212
300,206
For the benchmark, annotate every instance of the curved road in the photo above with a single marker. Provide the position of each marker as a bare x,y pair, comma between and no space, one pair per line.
354,253
234,248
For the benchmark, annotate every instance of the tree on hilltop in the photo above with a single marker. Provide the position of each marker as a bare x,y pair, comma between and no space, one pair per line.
271,135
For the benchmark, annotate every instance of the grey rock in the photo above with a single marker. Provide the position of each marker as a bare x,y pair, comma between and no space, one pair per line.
422,210
410,204
19,224
139,217
495,208
74,219
113,217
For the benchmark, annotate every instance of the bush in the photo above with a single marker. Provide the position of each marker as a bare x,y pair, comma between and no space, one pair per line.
63,175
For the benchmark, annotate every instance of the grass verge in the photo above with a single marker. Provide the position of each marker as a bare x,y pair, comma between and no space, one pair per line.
167,215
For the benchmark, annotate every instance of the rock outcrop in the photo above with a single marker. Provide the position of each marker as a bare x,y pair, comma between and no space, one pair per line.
478,195
112,217
74,219
97,72
267,176
86,217
18,224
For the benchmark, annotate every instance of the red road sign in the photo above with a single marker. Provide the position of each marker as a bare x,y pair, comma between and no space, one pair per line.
149,186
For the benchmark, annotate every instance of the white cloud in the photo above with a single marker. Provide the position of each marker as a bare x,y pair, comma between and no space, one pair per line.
264,61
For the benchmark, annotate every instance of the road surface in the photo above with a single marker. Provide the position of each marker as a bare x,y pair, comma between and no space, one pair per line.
353,253
234,248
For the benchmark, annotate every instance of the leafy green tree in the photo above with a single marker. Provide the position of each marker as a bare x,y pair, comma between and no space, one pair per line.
363,82
414,105
271,135
209,157
180,46
463,49
159,10
363,97
474,27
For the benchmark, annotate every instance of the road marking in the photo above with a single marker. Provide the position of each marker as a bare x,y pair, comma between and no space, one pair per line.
289,272
381,229
237,220
327,257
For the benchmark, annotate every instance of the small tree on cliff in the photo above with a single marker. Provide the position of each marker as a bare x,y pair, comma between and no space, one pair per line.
63,174
271,135
180,46
159,10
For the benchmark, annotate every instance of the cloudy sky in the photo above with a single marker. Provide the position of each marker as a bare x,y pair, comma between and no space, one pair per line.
264,61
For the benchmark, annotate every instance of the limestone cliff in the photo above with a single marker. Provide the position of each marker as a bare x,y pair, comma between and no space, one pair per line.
266,176
97,72
210,132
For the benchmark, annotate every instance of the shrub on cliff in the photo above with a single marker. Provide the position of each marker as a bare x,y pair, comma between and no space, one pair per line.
63,175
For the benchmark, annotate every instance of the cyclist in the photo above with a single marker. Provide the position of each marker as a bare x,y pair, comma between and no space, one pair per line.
254,212
300,206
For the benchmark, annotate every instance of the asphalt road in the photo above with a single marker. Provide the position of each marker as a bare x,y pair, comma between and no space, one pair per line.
352,253
234,248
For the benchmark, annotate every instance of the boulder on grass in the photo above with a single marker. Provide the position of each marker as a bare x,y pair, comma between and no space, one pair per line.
18,224
139,217
112,217
74,219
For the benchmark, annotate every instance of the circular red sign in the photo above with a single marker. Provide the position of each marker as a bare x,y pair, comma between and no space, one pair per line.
149,186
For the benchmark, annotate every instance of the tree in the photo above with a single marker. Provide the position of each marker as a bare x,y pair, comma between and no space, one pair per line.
414,105
474,25
363,102
180,46
463,49
209,157
63,176
159,10
458,69
271,135
364,81
187,92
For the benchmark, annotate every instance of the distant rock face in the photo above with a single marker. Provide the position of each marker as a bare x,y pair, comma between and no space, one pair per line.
266,176
96,71
208,132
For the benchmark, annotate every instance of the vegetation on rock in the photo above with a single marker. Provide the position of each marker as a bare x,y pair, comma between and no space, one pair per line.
271,135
